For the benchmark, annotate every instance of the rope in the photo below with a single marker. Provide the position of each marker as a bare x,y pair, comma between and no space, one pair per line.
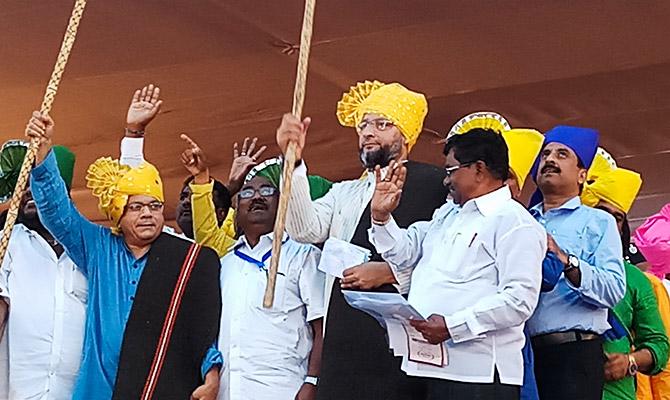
289,162
47,102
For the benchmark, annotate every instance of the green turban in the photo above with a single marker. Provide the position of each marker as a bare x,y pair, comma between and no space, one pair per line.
271,169
11,157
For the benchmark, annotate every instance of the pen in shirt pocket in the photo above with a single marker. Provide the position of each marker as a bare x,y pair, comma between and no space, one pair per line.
472,240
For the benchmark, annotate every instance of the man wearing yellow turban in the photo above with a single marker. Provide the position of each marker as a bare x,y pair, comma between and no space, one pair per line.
645,346
154,299
388,119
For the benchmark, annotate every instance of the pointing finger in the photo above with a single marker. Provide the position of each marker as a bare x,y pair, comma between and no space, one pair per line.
188,140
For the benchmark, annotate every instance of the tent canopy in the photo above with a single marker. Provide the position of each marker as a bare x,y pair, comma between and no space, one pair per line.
226,69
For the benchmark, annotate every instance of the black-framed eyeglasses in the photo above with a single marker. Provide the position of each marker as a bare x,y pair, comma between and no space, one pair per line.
451,170
265,191
380,124
136,206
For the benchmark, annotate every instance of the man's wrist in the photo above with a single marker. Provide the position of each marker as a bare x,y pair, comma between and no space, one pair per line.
312,380
380,219
134,130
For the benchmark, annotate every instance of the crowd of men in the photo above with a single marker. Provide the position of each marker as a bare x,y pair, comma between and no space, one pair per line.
555,299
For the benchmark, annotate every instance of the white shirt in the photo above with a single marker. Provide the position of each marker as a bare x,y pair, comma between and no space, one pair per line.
266,351
336,214
47,299
479,266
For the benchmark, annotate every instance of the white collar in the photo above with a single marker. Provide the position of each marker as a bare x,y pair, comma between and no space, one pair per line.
264,241
490,202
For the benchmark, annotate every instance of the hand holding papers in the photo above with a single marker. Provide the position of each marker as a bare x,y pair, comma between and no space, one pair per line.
394,312
338,255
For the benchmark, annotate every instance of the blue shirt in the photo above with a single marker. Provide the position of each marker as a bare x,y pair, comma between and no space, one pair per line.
593,237
113,274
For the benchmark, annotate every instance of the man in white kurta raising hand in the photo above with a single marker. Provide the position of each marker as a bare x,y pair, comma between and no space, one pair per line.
476,270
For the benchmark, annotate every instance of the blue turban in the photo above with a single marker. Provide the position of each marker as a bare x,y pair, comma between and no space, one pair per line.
583,141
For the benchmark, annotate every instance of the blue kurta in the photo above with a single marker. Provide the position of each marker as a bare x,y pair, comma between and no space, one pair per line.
113,274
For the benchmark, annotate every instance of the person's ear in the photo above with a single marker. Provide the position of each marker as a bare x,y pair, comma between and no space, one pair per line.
480,168
581,177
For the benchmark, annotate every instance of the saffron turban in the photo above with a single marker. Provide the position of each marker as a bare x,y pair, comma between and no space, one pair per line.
605,181
405,108
113,183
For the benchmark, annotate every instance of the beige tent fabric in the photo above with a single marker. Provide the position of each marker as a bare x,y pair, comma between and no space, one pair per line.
226,69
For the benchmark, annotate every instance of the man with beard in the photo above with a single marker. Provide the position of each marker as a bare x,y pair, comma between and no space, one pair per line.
46,295
388,119
144,107
476,270
154,299
644,347
568,323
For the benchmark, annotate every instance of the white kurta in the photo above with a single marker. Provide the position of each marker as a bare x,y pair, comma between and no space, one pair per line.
479,266
266,351
47,299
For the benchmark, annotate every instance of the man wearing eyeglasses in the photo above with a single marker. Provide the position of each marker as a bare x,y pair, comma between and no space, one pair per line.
476,270
388,119
154,299
268,353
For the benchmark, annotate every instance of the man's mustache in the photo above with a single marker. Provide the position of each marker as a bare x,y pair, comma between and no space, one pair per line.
550,168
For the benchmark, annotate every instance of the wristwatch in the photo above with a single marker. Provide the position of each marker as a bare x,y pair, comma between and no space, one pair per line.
632,365
573,263
312,380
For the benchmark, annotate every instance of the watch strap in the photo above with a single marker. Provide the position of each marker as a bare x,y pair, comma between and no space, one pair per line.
312,380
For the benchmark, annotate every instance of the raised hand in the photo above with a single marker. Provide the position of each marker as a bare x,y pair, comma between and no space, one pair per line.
40,127
243,162
144,107
194,160
292,130
388,191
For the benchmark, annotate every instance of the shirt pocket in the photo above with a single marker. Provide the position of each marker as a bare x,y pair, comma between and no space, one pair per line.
280,306
463,255
76,284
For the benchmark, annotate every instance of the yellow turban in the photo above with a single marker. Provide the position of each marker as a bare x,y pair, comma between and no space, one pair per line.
605,181
523,145
406,109
112,183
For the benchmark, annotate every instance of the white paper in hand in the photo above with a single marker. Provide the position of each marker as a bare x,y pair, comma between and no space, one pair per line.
338,255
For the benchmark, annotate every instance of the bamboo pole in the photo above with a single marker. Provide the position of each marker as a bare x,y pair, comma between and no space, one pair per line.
47,102
289,160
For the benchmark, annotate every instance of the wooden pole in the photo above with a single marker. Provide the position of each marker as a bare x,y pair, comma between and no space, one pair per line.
289,160
47,102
